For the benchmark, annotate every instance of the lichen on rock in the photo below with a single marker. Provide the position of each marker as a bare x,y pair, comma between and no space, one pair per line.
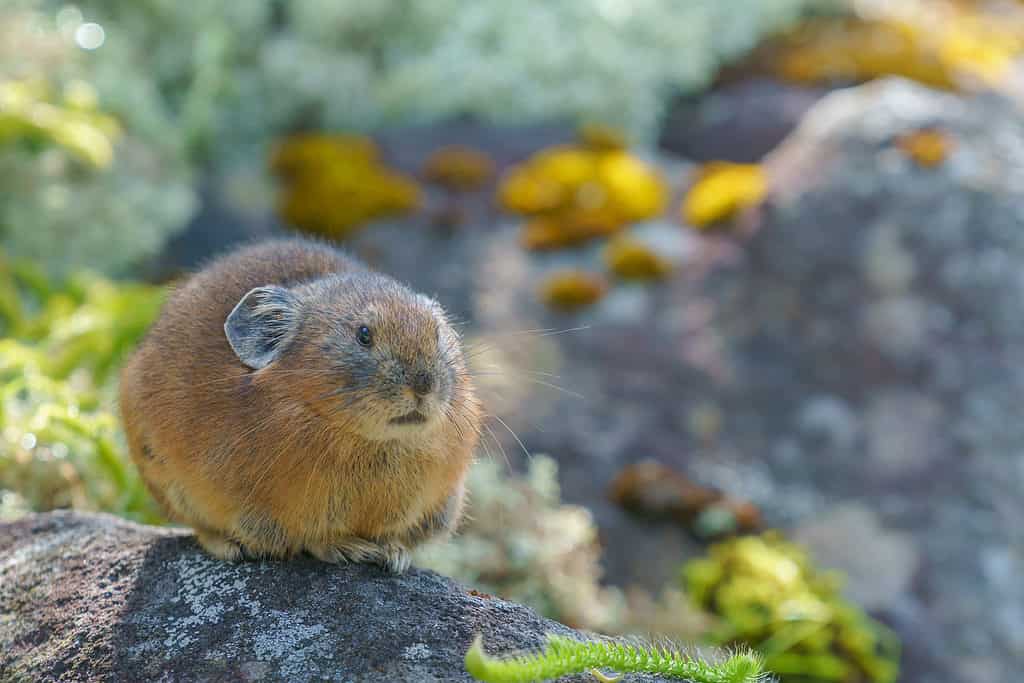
93,597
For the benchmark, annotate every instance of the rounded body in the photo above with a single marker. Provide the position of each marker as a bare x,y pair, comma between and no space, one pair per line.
290,399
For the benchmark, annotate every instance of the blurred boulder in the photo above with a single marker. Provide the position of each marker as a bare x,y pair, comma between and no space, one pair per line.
887,279
741,121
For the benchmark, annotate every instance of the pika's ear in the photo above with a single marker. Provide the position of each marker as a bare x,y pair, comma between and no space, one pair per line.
261,325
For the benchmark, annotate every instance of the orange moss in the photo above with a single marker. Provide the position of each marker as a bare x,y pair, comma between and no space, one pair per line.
572,289
459,168
633,260
928,148
722,189
333,184
568,229
601,137
939,43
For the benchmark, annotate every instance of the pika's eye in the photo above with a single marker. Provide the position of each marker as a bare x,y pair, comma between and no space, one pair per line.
363,336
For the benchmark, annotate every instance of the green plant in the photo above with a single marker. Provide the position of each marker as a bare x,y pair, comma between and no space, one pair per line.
562,656
92,170
767,595
521,542
62,340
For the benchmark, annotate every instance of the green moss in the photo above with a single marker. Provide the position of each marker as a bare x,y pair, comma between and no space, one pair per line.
767,595
563,656
62,445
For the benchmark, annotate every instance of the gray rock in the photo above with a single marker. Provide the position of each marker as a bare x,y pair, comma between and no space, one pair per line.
903,293
738,121
879,564
93,597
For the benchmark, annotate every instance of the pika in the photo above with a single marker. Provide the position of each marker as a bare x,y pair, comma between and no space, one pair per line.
291,399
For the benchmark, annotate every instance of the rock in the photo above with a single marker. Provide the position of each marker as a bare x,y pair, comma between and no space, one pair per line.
901,288
87,597
850,538
740,121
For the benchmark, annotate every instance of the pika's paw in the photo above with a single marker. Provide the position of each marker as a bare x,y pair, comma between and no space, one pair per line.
221,547
393,557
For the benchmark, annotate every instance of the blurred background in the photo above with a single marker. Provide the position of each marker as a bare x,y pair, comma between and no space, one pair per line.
742,281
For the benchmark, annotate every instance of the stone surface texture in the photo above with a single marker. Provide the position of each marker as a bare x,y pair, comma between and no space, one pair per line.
96,598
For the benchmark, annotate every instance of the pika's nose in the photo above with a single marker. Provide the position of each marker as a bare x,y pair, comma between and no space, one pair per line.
422,383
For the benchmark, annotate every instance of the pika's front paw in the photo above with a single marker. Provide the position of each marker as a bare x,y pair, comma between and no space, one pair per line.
397,559
221,547
393,557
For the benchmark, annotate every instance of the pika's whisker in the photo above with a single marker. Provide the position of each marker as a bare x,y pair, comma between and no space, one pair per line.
497,442
514,435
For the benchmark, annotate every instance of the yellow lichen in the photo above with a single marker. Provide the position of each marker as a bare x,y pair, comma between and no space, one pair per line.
459,168
303,153
633,260
577,193
928,148
939,43
633,187
721,190
572,289
333,184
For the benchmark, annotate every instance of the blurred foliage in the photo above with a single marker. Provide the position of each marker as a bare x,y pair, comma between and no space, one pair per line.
568,290
61,344
331,185
206,84
413,62
520,542
768,596
941,43
721,190
30,112
929,148
233,75
630,259
458,168
91,170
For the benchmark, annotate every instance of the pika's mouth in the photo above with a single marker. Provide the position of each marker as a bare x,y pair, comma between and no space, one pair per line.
415,417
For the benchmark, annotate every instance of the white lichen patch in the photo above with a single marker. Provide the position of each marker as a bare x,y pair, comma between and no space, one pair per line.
205,595
289,642
416,651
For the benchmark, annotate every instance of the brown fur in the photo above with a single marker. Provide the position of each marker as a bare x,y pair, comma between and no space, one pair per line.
291,457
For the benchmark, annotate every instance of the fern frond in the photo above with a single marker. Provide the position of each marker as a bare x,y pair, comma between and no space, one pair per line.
563,656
